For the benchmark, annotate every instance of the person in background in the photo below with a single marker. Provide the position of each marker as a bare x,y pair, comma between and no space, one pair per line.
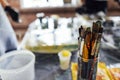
12,12
92,7
8,40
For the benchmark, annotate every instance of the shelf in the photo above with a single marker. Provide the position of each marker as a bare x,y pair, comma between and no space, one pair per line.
62,9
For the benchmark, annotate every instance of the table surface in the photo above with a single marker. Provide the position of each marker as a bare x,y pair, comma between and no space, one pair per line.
47,66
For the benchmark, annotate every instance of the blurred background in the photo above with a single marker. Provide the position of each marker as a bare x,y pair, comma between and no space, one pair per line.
69,14
63,8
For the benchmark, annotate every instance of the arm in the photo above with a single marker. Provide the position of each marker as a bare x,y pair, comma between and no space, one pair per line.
4,3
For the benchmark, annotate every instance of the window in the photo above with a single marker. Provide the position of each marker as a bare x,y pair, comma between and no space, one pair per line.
46,3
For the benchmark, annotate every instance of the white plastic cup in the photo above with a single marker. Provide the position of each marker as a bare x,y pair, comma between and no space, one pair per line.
64,60
17,65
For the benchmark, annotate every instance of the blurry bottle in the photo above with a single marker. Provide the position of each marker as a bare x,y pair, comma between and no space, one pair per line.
43,20
40,16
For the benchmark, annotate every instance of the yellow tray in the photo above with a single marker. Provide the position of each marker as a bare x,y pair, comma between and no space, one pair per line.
52,49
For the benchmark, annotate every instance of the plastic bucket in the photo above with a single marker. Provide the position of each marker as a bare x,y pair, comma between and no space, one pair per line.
17,65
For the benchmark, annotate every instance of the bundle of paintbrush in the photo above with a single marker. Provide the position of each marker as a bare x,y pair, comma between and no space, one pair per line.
89,43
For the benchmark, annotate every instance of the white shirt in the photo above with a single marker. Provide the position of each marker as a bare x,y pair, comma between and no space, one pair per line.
8,40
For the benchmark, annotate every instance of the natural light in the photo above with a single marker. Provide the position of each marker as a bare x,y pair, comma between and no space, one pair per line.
40,3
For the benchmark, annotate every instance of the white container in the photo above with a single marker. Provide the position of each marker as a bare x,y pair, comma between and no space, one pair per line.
17,65
64,60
